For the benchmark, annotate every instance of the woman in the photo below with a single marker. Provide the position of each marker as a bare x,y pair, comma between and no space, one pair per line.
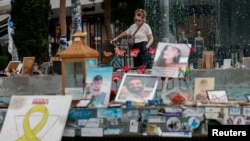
169,57
143,38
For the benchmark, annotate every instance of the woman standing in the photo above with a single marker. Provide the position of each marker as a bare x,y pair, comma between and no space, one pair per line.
143,38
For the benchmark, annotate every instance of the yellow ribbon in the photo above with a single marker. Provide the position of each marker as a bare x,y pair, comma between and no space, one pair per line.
30,134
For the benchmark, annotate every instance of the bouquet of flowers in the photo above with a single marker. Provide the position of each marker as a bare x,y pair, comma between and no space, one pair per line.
177,99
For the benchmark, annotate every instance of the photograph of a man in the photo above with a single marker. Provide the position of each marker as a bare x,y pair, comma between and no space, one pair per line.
98,86
201,85
98,95
140,88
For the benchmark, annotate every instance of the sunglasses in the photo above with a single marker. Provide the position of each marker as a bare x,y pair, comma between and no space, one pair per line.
137,20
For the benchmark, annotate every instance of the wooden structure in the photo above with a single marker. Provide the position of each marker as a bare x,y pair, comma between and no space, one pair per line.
74,62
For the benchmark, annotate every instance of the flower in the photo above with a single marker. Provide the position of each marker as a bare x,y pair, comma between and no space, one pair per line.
120,52
191,50
116,78
163,78
125,69
141,69
112,92
152,51
112,95
134,52
177,99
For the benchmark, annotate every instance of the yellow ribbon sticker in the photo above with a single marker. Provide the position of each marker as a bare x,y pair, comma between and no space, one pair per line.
30,134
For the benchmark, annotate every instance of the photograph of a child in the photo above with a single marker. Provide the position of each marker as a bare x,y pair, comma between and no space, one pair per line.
170,58
137,87
98,85
201,85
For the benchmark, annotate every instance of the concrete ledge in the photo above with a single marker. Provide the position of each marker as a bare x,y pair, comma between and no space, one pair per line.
30,85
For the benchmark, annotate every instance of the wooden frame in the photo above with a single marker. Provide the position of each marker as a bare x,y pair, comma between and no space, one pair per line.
208,60
149,83
201,85
28,63
13,65
246,62
217,95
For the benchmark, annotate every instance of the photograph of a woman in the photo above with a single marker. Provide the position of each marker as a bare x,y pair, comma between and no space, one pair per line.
170,58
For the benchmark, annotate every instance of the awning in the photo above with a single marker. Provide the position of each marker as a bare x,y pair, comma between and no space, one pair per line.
4,24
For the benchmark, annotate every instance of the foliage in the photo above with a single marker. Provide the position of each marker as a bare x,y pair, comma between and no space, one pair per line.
123,10
30,19
4,60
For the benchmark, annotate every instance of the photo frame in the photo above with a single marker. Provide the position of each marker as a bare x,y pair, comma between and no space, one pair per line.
13,65
201,85
28,63
246,62
247,97
128,92
217,95
98,86
177,55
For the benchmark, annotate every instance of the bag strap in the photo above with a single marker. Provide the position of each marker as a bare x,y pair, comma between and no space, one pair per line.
136,30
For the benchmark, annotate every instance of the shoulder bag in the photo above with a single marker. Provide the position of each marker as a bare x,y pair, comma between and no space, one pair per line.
131,39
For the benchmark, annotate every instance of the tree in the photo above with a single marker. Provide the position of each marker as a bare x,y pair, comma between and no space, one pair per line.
63,26
107,19
123,10
31,27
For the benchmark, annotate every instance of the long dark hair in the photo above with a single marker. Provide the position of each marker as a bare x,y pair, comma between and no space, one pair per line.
161,60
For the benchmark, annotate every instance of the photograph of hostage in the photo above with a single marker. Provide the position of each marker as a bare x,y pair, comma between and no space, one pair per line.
99,97
201,87
137,89
170,58
98,85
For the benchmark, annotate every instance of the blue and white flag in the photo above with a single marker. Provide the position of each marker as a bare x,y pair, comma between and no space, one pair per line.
12,48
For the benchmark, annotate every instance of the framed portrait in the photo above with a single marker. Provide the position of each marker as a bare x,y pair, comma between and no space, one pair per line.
137,87
169,58
246,62
217,95
28,63
201,85
98,85
13,65
247,97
